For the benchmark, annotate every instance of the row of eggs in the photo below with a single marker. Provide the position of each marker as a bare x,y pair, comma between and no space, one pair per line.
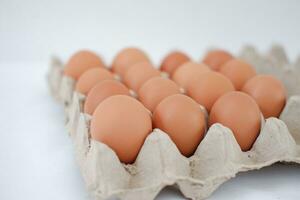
183,98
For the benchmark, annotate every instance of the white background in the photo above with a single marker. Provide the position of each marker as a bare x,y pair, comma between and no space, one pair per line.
36,155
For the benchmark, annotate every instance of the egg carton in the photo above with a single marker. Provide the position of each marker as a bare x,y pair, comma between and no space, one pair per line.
217,159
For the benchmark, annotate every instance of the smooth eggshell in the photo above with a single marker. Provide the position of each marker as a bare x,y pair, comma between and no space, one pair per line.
101,91
138,74
122,123
208,88
90,78
216,58
126,58
183,120
238,71
81,62
173,60
268,92
189,71
239,112
155,90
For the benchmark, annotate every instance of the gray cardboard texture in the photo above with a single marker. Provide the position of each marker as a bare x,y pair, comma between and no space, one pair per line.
217,158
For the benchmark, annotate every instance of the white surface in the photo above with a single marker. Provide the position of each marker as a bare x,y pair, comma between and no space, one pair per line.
36,155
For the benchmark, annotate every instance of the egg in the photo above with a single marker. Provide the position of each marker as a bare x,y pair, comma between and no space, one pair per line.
268,92
208,88
173,60
216,58
155,90
101,91
188,71
126,58
239,112
122,123
238,71
183,120
81,62
138,74
90,78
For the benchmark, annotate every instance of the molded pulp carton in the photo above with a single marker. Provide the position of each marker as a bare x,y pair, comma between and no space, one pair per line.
159,163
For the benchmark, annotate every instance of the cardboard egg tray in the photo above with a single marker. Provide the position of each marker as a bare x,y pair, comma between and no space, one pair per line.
217,159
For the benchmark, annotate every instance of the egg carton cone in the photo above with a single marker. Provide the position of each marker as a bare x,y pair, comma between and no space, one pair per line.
217,159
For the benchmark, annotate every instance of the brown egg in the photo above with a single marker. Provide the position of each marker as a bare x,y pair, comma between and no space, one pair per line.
238,71
138,74
126,58
90,78
173,60
182,119
268,92
101,91
239,112
155,90
81,62
188,71
216,58
122,123
208,88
